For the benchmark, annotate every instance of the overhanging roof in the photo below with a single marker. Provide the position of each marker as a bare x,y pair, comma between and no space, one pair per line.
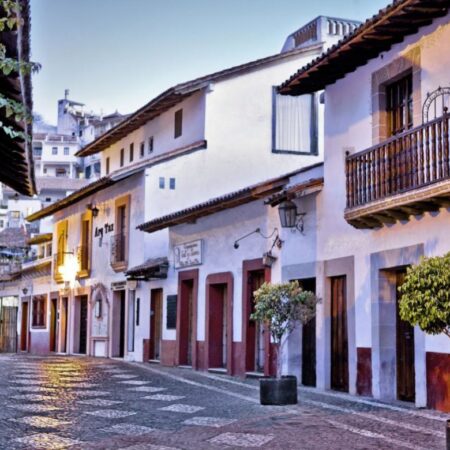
96,186
296,190
231,200
390,26
16,169
176,94
154,268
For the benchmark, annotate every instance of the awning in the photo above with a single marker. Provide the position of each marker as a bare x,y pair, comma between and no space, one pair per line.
154,268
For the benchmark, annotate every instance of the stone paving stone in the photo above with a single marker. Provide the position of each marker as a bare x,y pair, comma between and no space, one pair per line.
35,408
32,388
146,389
47,441
28,382
124,376
79,385
33,397
135,382
99,402
110,413
164,397
91,393
241,439
129,429
181,408
214,422
41,421
149,447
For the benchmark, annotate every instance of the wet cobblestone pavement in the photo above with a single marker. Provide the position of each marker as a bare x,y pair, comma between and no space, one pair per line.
82,403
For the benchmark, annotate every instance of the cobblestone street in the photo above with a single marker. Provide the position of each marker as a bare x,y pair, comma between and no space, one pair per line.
82,403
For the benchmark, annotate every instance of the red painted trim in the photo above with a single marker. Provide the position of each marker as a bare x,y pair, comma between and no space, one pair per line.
211,280
168,353
438,381
247,267
187,275
364,371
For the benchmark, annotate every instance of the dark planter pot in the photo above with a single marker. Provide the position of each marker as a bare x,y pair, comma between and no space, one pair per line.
273,391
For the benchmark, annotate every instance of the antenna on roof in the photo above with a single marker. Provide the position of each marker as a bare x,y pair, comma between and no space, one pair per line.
66,94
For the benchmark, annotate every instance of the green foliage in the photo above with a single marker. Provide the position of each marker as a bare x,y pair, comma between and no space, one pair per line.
425,299
9,21
282,306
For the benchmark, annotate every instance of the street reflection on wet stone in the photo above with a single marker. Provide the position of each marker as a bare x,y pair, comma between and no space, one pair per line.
85,403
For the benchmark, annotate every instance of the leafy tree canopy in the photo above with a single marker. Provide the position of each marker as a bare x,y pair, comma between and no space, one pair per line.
425,295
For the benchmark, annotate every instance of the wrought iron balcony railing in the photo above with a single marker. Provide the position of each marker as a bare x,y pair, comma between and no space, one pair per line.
413,160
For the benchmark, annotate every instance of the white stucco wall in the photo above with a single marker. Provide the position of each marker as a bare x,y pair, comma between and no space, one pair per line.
348,127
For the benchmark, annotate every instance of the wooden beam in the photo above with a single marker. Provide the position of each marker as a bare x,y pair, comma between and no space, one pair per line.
398,214
384,218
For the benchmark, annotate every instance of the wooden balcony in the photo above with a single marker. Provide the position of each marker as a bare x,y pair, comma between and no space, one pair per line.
406,175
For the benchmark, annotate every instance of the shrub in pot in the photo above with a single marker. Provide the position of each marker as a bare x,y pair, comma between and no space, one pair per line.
282,306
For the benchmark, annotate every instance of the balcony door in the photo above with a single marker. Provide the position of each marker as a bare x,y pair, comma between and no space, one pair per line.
399,105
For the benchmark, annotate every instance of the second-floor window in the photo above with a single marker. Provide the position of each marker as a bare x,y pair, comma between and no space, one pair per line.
131,152
66,151
150,144
107,165
142,150
122,157
399,105
39,311
294,122
119,244
85,245
54,150
178,123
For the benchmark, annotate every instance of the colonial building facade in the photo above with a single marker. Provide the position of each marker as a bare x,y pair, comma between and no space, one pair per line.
188,145
384,202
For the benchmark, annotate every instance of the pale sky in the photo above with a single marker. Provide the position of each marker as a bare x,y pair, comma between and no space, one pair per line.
119,54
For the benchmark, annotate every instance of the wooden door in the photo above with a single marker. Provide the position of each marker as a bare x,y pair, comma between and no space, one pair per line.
405,352
339,337
64,321
155,324
24,328
83,324
186,322
309,341
255,342
217,324
122,324
53,323
8,328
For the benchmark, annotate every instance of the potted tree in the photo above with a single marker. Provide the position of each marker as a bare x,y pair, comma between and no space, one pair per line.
281,307
425,298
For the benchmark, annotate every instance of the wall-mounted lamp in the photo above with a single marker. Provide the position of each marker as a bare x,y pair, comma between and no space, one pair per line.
236,242
268,259
290,217
25,291
93,208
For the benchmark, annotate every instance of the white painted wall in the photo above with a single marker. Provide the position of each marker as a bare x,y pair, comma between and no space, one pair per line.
348,127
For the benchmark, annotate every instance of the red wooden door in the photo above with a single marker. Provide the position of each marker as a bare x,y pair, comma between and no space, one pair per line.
186,322
254,330
24,327
339,337
217,318
405,353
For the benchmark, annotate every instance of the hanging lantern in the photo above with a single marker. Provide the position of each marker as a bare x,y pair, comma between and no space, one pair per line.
288,214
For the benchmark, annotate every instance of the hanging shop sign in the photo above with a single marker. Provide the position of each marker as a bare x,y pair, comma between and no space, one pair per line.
118,285
189,254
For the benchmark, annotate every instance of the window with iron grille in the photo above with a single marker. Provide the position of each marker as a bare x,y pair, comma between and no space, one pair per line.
142,149
107,165
294,124
399,105
39,311
122,157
